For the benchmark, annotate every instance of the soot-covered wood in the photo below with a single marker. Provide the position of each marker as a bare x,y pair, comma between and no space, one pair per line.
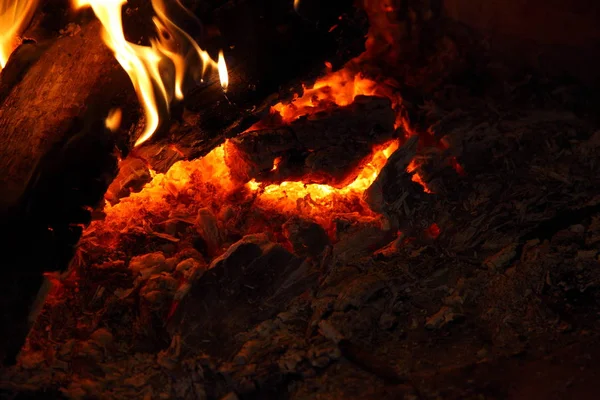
42,110
327,147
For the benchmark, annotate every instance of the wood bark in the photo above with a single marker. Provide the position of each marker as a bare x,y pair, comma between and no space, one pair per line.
77,74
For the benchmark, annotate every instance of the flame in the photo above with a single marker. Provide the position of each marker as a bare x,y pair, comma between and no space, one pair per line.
223,75
339,88
207,182
14,17
296,5
155,91
113,121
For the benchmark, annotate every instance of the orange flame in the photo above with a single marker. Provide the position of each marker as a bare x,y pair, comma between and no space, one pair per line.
142,62
339,88
14,17
113,121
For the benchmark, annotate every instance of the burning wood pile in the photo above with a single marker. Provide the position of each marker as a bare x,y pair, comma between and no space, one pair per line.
375,229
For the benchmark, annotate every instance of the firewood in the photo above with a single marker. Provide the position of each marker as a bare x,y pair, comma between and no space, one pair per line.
326,147
76,74
85,69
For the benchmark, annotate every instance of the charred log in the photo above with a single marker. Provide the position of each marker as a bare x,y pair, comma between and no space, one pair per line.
327,147
42,111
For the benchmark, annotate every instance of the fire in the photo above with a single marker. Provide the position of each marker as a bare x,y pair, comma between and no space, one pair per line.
143,64
14,17
207,178
206,182
339,88
287,196
276,163
113,121
416,177
223,75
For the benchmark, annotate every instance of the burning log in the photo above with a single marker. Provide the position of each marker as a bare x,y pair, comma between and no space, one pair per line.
43,112
56,157
396,192
327,147
268,42
255,74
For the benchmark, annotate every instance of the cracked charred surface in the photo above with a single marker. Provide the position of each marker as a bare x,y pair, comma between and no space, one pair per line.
323,148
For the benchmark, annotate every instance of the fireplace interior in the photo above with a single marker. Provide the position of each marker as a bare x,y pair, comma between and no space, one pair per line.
267,199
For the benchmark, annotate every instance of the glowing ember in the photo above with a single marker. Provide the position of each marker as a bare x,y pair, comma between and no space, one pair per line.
457,167
416,177
14,17
207,181
276,163
287,196
113,121
434,231
142,62
182,177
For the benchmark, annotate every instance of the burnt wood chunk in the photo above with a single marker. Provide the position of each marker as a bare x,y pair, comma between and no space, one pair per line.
326,147
254,280
75,75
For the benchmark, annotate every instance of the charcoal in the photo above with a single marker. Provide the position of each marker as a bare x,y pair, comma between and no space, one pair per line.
362,241
393,180
208,228
308,238
133,175
148,264
238,287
